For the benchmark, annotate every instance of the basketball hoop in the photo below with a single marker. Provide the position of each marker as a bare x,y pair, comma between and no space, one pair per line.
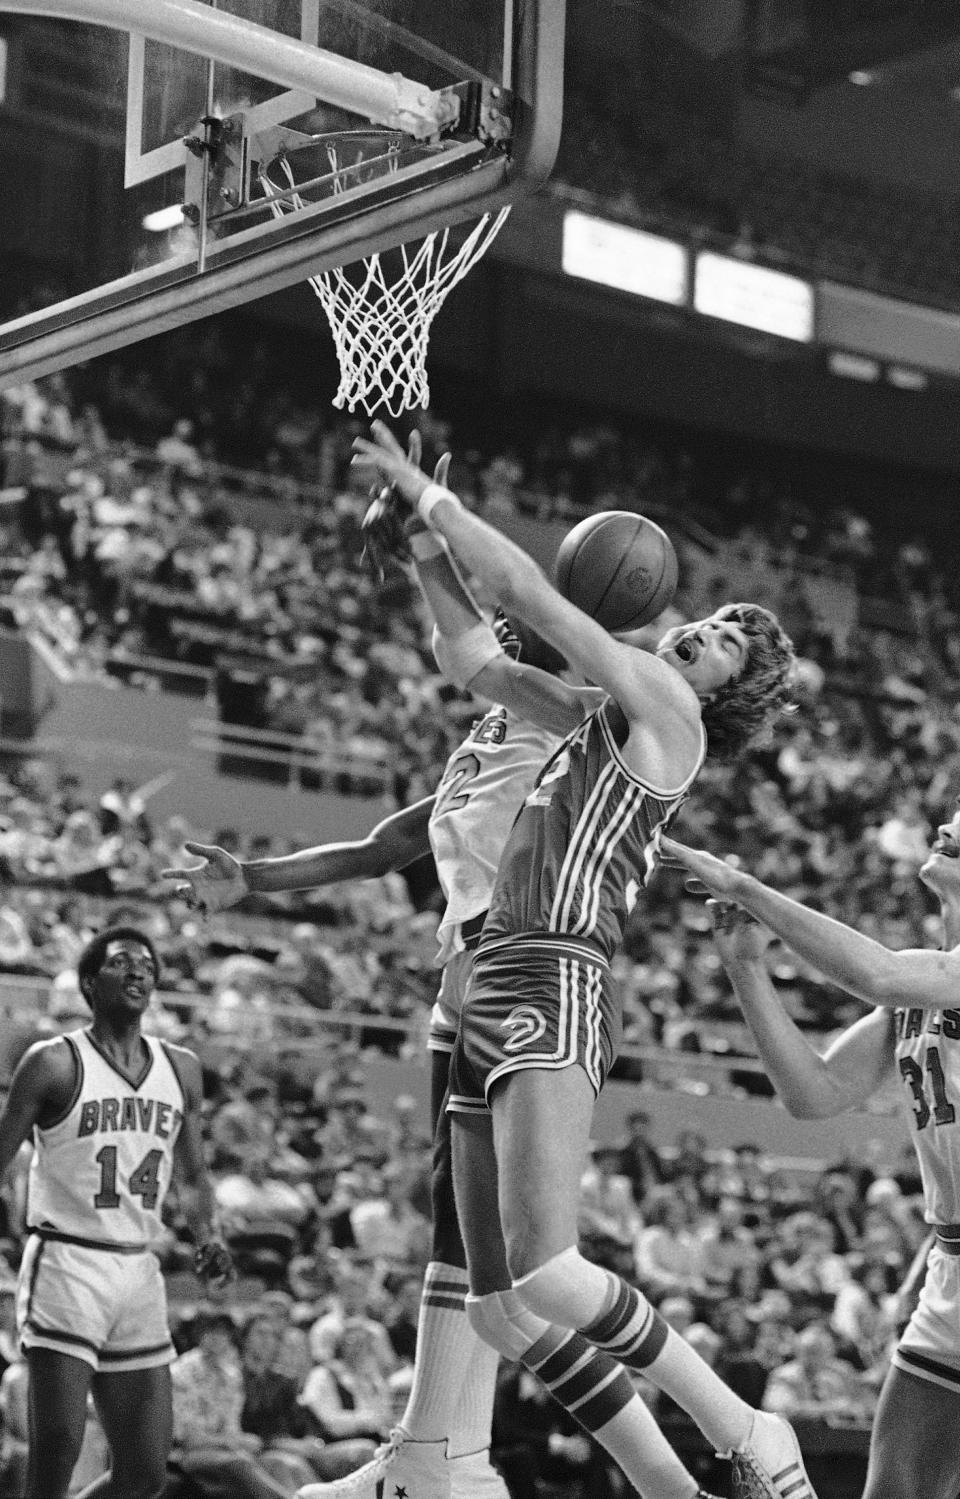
381,316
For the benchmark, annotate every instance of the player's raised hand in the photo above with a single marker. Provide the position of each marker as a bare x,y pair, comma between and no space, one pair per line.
739,936
715,876
382,453
215,884
389,523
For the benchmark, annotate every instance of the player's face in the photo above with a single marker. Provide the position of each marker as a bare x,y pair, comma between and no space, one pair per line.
127,976
941,871
708,653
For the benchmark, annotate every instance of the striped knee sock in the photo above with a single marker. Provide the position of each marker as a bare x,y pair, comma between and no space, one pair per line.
598,1392
637,1335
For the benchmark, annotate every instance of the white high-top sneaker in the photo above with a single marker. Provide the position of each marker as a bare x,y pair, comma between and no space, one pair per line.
400,1469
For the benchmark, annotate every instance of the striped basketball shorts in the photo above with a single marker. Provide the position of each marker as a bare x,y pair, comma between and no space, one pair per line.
544,1003
930,1346
99,1305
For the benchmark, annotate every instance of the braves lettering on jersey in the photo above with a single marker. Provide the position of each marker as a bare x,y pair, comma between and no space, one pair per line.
480,792
927,1047
584,843
102,1171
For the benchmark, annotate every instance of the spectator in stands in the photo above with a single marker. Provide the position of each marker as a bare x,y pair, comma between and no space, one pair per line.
639,1161
864,1317
737,1362
387,1229
540,1449
272,1411
403,1318
609,1220
348,1395
355,1298
815,1383
220,1459
669,1260
726,1245
261,1214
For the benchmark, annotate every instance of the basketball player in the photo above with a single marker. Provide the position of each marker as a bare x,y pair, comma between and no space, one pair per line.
110,1111
441,1445
912,1033
540,1023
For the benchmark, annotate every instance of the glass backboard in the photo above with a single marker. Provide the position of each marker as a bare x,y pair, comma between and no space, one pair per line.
144,152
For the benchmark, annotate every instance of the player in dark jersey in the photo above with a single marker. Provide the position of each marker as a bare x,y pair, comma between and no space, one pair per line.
111,1111
540,1023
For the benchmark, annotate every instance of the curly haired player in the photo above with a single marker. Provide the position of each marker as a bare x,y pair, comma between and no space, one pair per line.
540,1021
112,1112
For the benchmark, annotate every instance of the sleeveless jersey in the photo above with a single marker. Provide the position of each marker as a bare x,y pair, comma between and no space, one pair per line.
927,1049
480,793
101,1172
584,844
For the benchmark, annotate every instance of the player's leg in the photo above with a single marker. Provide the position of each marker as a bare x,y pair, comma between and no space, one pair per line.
441,1444
57,1406
136,1411
541,1129
590,1384
912,1430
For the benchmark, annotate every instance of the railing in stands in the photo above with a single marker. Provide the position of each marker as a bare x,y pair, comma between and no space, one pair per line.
712,1071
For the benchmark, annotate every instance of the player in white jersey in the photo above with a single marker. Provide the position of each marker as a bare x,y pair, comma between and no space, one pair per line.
913,1034
112,1114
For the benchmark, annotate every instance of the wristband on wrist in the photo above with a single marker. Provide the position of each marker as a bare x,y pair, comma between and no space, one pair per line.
431,497
467,654
426,544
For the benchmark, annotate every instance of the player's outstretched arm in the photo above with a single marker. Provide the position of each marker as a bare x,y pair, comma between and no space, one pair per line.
916,977
813,1085
221,880
644,687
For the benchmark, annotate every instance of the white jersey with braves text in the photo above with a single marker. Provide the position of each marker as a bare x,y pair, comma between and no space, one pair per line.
480,793
102,1171
927,1048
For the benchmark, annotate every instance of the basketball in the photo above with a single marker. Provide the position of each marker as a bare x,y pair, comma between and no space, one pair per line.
618,567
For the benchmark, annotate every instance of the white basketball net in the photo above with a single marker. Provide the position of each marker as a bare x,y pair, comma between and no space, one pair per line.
381,330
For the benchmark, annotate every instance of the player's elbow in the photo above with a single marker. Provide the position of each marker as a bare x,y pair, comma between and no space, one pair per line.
811,1103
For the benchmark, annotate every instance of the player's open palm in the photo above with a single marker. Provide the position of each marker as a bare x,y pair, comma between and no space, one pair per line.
715,875
740,938
215,884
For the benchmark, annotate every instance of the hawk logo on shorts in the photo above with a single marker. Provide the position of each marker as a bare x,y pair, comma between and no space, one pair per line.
527,1025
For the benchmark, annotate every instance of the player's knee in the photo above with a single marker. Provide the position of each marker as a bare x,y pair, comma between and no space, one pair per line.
501,1319
546,1289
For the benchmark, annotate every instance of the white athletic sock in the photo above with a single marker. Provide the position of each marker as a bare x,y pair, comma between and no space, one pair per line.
446,1344
473,1417
722,1416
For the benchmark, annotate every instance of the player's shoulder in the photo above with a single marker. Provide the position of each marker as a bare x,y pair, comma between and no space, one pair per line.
53,1057
648,683
186,1065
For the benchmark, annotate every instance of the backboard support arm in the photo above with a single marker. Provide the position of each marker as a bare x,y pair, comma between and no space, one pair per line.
387,99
